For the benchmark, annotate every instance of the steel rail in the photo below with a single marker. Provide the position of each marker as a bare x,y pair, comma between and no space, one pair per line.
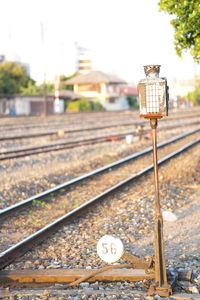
67,145
61,125
78,130
59,146
67,131
9,255
69,119
112,116
6,211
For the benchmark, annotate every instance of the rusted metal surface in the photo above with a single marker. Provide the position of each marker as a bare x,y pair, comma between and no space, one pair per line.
134,277
70,275
161,286
162,291
138,263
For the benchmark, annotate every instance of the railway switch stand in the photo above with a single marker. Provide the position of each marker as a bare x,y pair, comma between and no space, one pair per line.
153,97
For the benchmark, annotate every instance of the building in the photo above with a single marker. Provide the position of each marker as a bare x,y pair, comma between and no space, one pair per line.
100,87
179,90
35,105
129,90
84,61
181,87
2,58
26,105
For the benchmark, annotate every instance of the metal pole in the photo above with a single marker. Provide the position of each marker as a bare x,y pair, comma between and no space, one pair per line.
45,95
44,66
160,266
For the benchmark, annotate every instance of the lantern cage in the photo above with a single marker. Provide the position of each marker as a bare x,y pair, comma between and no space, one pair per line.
153,94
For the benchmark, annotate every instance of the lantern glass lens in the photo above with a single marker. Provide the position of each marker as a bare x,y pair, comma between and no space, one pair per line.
154,97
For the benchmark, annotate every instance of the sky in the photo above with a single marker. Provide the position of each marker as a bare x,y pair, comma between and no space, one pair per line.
122,36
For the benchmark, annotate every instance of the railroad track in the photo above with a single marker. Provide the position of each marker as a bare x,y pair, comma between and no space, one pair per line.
69,121
70,118
68,131
18,153
11,253
79,179
85,129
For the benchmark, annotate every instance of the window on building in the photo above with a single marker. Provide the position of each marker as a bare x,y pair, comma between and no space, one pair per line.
112,100
89,88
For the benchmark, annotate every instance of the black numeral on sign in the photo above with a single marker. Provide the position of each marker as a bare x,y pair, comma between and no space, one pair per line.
109,248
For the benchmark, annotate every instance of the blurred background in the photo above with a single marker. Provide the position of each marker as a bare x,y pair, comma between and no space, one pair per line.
56,41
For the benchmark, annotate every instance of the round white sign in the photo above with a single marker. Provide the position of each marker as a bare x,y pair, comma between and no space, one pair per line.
110,249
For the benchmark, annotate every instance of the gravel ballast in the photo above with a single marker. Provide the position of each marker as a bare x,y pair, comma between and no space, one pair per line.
128,214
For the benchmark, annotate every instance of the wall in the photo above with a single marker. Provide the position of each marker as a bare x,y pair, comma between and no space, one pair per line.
26,105
119,104
22,106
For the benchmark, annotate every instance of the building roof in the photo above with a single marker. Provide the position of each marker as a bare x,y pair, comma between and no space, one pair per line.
94,77
69,94
129,90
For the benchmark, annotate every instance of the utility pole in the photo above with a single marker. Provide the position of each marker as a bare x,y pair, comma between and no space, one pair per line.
44,70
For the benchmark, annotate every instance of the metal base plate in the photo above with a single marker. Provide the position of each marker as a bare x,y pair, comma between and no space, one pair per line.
69,275
164,291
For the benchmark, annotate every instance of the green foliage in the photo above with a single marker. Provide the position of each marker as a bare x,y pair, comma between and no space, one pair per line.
96,106
84,105
194,96
13,77
186,23
63,85
46,88
132,101
72,107
33,89
38,203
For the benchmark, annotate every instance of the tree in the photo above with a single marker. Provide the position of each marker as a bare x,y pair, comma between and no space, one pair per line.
13,77
96,106
186,23
194,96
33,89
132,101
63,85
84,105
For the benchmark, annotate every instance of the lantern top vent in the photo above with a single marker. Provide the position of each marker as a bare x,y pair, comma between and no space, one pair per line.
152,70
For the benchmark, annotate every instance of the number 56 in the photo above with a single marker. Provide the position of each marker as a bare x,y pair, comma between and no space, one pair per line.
109,248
